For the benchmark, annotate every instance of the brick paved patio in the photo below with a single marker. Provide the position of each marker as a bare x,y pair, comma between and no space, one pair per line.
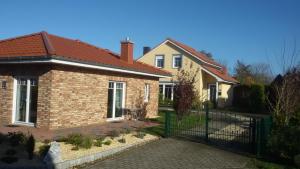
97,129
173,154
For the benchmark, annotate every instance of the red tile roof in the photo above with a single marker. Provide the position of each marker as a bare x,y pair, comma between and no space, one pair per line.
219,73
195,52
41,45
213,69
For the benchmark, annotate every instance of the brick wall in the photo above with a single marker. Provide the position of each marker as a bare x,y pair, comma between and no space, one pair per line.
79,96
7,73
70,97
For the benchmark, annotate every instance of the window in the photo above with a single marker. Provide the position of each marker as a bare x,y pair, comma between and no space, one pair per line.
177,61
159,61
147,93
4,85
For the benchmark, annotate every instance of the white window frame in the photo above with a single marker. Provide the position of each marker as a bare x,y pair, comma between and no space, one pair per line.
114,118
164,90
14,108
147,93
174,57
156,60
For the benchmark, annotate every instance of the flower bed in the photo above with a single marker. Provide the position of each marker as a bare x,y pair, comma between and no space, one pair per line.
68,152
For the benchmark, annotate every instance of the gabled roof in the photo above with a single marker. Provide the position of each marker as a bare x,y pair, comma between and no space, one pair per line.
47,46
194,52
209,64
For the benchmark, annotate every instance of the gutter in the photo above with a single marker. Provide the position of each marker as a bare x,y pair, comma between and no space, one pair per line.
70,62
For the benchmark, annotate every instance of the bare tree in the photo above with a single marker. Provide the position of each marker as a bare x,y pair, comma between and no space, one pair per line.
285,99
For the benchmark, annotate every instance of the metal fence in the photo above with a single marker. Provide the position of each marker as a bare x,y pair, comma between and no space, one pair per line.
230,130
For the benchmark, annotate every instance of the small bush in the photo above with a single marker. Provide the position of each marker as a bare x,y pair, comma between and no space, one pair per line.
87,142
74,139
114,133
16,138
108,142
98,143
122,140
78,140
43,150
9,159
30,144
140,134
209,103
10,152
61,139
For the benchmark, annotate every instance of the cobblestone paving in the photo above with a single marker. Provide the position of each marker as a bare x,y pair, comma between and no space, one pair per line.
173,154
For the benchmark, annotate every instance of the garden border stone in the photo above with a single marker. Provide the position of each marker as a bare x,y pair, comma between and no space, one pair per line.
57,162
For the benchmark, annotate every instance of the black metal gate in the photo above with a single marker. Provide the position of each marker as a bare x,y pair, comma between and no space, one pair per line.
230,130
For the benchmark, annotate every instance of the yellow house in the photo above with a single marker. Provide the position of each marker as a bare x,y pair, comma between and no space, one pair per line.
212,80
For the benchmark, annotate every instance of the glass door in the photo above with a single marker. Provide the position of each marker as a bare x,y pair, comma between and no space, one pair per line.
115,100
26,100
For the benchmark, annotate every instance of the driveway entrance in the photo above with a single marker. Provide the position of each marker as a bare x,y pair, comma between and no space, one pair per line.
173,154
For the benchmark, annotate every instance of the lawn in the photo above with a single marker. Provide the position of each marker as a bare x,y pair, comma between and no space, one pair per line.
185,123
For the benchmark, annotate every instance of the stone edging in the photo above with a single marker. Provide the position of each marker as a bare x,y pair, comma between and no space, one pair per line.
60,164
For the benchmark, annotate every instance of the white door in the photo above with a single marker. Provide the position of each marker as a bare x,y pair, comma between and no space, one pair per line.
26,94
116,100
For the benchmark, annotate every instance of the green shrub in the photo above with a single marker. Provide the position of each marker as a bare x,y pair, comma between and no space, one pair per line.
74,139
9,159
61,139
78,140
284,142
30,144
140,134
250,99
107,142
46,141
114,133
10,152
257,99
98,143
43,150
16,138
87,142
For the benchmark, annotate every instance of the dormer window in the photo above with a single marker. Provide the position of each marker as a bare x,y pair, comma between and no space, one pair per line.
177,61
159,61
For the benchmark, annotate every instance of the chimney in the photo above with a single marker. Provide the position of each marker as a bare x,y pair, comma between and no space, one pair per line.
146,49
127,51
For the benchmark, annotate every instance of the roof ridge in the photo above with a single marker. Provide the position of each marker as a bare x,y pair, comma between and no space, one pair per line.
18,37
47,42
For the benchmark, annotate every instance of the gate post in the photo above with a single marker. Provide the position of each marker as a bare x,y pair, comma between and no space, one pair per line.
206,121
167,124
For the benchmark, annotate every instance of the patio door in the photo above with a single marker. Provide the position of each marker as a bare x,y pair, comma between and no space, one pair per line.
26,93
116,100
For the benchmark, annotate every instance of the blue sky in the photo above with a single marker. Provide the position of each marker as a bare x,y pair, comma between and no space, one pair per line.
252,31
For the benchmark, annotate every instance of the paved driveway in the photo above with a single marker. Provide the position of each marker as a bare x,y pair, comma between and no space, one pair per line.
173,154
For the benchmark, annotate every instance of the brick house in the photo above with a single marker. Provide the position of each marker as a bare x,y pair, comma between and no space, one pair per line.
53,82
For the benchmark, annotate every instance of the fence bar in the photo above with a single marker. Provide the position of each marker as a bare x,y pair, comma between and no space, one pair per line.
206,121
167,124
